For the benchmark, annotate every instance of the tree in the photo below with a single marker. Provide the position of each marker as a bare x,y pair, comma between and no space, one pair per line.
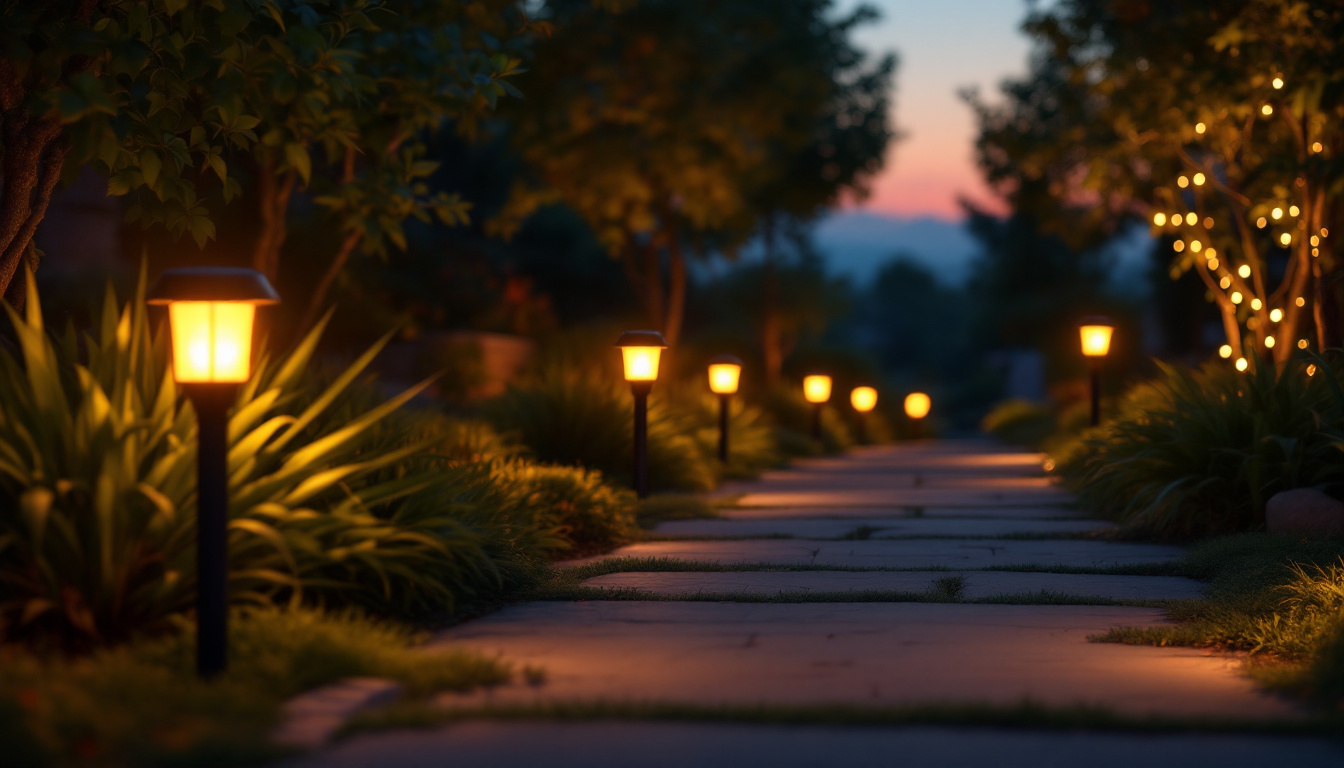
174,100
1215,121
656,122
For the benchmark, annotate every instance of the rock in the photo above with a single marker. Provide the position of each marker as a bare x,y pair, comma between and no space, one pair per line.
1304,510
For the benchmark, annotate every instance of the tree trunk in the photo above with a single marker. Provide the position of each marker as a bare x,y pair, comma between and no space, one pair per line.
676,289
319,296
273,195
772,340
34,155
652,278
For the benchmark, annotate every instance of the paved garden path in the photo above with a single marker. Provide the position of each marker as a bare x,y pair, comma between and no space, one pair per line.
896,582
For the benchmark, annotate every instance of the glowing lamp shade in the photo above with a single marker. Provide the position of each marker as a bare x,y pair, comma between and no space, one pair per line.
640,353
725,371
817,388
864,399
211,315
917,405
1095,333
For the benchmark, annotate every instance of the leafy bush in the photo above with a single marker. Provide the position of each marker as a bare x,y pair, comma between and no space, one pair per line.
97,490
793,418
591,515
142,704
1199,453
565,416
1020,422
752,445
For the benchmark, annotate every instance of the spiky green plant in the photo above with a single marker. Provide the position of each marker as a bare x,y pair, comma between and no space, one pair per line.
1197,453
97,489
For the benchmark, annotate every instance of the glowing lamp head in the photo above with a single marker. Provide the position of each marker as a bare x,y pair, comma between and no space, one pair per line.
640,352
864,399
917,405
1095,333
817,388
211,312
724,373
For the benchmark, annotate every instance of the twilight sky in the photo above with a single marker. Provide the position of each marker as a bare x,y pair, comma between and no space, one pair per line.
943,45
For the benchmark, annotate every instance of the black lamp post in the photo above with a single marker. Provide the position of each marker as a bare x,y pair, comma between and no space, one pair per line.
725,371
1095,334
864,399
640,353
211,313
817,391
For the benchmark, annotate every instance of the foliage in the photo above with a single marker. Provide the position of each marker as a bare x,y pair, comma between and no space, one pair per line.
1198,453
793,415
98,481
1272,596
566,416
1020,422
591,515
1120,119
142,704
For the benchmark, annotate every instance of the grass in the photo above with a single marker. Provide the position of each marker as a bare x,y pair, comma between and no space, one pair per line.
1023,714
1279,599
141,704
674,506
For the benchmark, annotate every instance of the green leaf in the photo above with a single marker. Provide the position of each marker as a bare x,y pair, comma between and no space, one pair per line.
150,165
296,155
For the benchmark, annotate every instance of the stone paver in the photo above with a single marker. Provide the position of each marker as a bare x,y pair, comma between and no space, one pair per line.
978,584
605,744
841,496
874,654
1026,512
877,528
908,553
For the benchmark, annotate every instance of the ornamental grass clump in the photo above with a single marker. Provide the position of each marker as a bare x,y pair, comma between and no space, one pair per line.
98,482
1198,453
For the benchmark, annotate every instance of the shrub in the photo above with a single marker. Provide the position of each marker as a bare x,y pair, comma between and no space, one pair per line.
97,490
1194,454
752,445
565,416
591,515
1020,422
792,416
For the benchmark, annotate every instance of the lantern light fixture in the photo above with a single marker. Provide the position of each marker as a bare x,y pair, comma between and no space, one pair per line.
725,373
641,353
817,391
1095,333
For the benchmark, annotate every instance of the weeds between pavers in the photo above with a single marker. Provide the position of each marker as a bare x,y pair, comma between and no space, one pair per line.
1024,714
1280,599
142,703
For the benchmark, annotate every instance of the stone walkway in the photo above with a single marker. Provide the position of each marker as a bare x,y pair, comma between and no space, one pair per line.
941,575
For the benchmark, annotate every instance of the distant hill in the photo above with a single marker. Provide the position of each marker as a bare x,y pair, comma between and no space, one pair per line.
857,243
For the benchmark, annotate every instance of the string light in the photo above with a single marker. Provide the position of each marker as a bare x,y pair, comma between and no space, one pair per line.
1302,344
1225,283
1225,351
1196,246
1160,219
1315,241
1316,146
1267,110
1299,301
1277,83
1256,305
1325,232
1182,182
1236,297
1311,369
1269,342
1260,222
1213,263
1315,251
1191,218
1285,238
1241,363
1178,246
1293,210
1244,271
1277,213
1200,128
1208,222
1275,315
1199,179
1210,252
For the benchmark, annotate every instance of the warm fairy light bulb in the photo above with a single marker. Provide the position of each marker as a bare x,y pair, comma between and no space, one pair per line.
1200,128
1213,263
1311,369
1260,222
1302,343
1159,218
1236,297
1178,246
1208,222
1225,351
1316,146
1285,238
1293,210
1256,304
1315,251
1241,363
1244,271
1315,241
1182,182
1269,342
1225,283
817,388
1267,110
1325,232
1299,301
1275,315
1191,218
1277,213
864,399
1196,246
1277,83
1199,179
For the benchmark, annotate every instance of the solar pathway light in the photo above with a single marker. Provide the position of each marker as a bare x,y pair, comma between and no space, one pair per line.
917,406
817,391
211,314
1095,333
725,372
640,354
864,399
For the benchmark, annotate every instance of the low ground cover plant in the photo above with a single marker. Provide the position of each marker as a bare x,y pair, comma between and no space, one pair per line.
1198,453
